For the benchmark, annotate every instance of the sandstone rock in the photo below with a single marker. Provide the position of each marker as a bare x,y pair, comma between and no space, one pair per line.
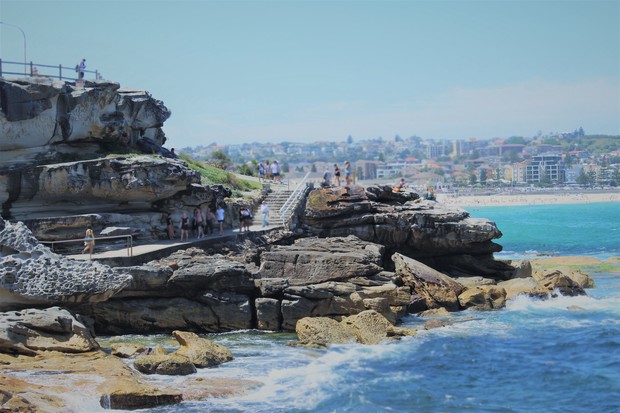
57,112
525,286
581,278
214,273
272,287
173,365
555,279
31,331
30,274
323,330
438,289
313,260
487,297
200,351
370,327
416,229
469,282
124,350
148,315
131,399
523,269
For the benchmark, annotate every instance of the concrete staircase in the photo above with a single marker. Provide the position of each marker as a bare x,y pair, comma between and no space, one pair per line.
275,200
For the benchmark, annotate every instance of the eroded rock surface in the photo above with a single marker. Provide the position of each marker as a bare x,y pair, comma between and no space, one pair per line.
30,274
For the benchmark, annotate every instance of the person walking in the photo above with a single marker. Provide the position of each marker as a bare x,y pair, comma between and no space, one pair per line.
89,241
264,210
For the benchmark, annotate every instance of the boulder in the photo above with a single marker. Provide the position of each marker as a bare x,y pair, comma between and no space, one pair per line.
323,331
552,280
438,289
169,364
200,351
525,286
125,350
487,297
138,398
366,327
370,327
53,329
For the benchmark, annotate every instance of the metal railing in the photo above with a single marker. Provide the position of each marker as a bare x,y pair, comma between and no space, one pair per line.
67,241
293,199
42,70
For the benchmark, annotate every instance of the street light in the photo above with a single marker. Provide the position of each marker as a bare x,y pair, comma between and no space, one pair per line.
24,36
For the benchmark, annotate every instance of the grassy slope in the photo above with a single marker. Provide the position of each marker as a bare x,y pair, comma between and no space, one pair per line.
212,175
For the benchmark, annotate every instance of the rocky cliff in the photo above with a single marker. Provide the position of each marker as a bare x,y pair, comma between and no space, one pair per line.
58,171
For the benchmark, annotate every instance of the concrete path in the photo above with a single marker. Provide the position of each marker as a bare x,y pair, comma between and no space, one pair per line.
142,252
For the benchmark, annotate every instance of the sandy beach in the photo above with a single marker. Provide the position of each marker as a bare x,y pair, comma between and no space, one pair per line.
528,199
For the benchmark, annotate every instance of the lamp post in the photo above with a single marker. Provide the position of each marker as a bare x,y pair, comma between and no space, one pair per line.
24,36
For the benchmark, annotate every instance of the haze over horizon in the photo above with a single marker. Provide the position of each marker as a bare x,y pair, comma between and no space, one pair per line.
274,71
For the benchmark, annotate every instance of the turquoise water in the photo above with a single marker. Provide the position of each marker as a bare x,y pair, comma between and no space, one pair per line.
571,229
558,355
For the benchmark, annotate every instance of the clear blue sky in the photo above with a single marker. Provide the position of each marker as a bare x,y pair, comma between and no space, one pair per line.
270,71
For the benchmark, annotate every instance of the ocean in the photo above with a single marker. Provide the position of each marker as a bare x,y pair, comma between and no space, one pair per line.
555,355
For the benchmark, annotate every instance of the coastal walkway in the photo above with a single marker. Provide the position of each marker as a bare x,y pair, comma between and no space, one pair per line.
143,253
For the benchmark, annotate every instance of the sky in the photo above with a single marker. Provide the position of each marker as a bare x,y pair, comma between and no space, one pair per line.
306,71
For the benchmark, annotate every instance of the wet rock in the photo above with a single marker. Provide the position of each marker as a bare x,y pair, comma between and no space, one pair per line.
554,279
169,364
486,297
200,351
525,286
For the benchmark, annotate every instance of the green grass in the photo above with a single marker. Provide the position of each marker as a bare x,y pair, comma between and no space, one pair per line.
212,176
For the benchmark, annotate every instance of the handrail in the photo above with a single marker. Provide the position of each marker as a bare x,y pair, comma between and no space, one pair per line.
33,70
292,199
66,241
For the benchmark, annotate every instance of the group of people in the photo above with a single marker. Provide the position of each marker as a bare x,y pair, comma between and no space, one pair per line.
401,186
269,171
336,181
201,224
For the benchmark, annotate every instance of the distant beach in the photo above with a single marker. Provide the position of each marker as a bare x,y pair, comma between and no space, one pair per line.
524,198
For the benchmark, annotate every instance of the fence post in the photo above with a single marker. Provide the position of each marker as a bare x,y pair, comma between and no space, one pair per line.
60,71
0,67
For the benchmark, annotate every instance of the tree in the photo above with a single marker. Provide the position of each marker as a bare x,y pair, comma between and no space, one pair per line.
473,179
219,159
